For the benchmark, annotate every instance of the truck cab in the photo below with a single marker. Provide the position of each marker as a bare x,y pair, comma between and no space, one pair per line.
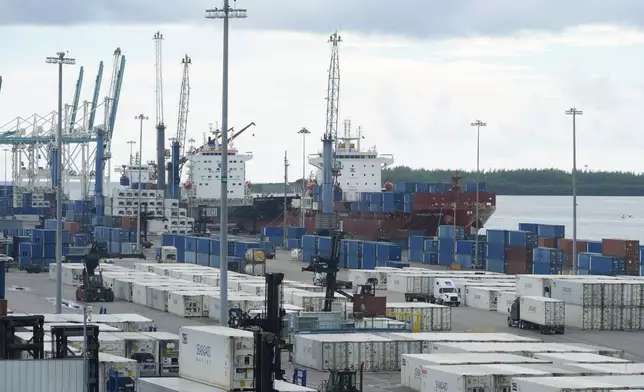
445,293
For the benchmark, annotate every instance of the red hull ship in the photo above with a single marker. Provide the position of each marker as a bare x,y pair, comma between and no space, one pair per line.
428,211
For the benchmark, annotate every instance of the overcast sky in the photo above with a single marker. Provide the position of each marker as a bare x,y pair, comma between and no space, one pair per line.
413,77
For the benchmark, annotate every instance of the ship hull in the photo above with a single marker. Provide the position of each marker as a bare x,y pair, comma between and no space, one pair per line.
265,211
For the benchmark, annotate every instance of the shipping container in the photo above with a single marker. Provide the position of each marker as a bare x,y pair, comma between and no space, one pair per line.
481,297
51,375
423,316
577,384
347,351
526,349
185,303
543,311
217,356
168,352
473,377
579,358
126,368
173,384
505,301
411,364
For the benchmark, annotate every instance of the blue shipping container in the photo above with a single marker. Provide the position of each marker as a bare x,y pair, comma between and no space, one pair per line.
495,236
552,231
450,231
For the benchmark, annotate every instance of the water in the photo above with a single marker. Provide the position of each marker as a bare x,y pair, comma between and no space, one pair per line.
597,216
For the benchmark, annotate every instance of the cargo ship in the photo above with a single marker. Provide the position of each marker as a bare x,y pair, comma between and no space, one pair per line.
369,210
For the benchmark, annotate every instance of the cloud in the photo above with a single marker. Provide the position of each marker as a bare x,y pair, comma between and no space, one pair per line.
412,18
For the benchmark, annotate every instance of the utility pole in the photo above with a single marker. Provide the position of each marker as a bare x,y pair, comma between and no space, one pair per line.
286,165
478,124
226,14
131,143
60,60
574,112
141,117
303,132
6,184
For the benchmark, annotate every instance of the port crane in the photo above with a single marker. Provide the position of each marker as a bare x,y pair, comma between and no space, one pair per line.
160,125
111,106
179,143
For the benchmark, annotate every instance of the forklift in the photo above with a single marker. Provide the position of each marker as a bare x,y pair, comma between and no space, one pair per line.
329,267
342,381
92,289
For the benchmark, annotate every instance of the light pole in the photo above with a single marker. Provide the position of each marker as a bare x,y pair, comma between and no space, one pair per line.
60,60
141,117
6,182
303,132
131,143
226,13
574,112
478,124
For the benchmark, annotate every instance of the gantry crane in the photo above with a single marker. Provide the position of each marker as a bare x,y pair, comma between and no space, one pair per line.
179,143
160,125
111,105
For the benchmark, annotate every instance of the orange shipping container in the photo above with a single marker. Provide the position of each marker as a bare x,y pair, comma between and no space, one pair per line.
546,242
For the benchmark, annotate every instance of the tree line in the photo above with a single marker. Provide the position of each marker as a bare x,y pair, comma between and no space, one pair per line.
551,182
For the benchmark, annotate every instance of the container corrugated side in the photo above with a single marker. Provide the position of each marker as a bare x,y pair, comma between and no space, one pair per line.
581,384
218,356
526,349
579,358
543,311
173,384
51,375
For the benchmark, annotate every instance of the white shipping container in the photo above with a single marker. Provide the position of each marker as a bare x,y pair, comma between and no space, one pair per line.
543,311
360,277
142,348
472,377
481,297
633,293
429,317
217,356
168,351
173,384
421,342
505,301
535,285
526,349
614,368
577,384
243,302
583,292
411,364
579,358
283,386
584,317
127,369
185,303
347,351
308,300
108,344
158,296
123,288
406,283
35,375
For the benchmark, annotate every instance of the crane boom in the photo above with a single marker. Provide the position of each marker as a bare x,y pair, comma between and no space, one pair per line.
158,38
79,85
184,106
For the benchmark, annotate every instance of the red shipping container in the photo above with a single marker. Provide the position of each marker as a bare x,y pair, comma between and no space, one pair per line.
519,260
631,266
565,244
3,307
546,242
620,248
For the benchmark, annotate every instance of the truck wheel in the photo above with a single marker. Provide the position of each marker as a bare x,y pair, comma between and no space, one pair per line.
521,325
509,322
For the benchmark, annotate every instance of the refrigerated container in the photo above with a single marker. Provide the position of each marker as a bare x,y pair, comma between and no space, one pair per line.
132,322
173,384
542,313
235,300
108,344
614,368
526,349
185,303
421,342
18,375
347,351
143,349
472,377
411,364
485,298
505,301
577,384
127,370
579,358
360,277
428,317
586,292
283,386
217,356
168,352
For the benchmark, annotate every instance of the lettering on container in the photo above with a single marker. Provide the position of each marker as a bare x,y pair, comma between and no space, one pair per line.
417,372
532,308
477,296
184,338
203,350
441,386
527,285
566,290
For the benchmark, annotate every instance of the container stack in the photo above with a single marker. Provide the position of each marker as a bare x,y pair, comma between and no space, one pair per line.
41,250
598,264
6,200
565,244
273,234
520,250
496,250
466,254
423,249
294,237
547,261
119,241
626,250
447,237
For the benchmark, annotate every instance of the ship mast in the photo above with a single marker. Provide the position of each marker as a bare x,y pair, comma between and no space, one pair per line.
333,101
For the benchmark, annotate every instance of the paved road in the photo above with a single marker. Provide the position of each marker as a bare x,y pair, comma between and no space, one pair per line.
37,287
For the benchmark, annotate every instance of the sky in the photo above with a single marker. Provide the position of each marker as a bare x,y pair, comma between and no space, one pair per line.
413,78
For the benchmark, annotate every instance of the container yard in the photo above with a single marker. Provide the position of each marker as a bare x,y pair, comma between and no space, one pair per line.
409,293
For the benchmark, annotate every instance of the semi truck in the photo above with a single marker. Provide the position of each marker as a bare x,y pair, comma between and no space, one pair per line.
545,314
442,292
